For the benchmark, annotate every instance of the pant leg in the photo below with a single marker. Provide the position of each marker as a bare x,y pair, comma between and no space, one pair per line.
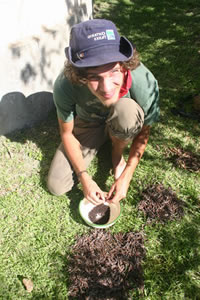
125,120
61,177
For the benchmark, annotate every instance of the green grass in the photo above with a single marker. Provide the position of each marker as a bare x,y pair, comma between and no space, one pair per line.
38,229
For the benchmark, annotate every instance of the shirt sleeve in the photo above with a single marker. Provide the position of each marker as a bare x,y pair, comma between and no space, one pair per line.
145,92
63,96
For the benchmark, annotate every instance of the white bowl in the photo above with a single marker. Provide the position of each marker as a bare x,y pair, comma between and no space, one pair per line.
85,207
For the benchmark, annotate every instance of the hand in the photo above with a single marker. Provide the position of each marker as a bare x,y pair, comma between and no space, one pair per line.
118,190
93,193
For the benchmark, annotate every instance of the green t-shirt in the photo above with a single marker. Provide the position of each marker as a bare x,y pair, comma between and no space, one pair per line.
70,98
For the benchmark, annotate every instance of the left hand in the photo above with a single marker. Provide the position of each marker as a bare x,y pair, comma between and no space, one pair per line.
118,190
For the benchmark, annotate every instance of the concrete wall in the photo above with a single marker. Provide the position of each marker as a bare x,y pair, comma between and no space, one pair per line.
33,34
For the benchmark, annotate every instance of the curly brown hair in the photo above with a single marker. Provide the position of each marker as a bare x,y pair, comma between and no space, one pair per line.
79,75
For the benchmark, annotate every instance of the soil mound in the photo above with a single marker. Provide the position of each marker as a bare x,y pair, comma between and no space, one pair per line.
106,266
160,204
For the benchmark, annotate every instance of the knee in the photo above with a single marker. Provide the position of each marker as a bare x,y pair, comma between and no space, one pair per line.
56,188
126,119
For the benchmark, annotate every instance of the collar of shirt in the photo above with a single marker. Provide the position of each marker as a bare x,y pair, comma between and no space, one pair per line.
126,85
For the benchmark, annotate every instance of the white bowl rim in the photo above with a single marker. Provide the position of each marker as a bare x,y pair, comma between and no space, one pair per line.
99,225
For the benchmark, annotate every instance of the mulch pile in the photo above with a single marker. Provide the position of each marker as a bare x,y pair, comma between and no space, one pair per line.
160,204
184,159
106,266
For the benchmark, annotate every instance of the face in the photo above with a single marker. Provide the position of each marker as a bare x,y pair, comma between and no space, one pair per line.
105,82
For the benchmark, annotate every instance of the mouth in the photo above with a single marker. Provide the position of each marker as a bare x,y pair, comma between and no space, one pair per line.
107,96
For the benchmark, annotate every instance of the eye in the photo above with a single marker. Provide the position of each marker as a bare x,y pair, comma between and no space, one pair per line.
116,71
93,78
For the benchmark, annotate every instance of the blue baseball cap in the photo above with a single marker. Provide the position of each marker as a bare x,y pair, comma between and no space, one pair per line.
97,42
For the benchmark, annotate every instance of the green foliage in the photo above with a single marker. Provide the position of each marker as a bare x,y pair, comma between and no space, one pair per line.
37,229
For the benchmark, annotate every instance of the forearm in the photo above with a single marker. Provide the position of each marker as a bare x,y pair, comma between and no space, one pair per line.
73,151
136,151
72,146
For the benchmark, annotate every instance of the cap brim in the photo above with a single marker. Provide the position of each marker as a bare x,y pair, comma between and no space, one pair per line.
103,55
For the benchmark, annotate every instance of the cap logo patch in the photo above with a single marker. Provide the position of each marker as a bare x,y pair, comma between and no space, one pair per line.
110,34
97,36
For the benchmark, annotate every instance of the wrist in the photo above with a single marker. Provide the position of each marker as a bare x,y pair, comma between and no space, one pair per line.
79,174
83,177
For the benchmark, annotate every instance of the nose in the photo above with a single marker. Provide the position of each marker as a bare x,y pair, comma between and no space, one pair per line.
105,85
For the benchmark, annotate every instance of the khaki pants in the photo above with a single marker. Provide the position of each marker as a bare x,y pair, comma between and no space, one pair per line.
125,121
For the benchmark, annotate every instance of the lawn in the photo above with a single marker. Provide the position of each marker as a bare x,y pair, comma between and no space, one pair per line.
38,230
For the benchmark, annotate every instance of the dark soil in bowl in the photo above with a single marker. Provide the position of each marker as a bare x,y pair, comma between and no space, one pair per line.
100,214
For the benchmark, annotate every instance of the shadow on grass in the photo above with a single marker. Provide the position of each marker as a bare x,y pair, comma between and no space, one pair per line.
104,166
75,196
178,259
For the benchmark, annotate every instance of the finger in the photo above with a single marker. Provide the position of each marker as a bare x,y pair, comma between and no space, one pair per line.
116,198
94,202
91,200
105,196
100,195
96,198
110,193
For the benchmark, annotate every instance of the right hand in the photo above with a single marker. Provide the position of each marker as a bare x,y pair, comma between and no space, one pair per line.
92,192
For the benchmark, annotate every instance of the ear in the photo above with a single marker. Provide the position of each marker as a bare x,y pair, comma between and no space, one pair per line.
83,81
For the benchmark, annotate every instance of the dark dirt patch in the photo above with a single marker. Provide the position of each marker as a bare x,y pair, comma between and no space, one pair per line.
100,214
184,159
106,266
160,204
